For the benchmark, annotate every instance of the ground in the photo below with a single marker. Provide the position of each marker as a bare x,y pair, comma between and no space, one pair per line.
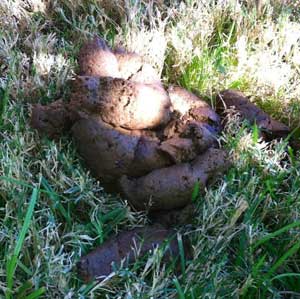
245,235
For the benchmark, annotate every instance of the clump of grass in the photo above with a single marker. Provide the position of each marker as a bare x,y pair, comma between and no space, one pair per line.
245,236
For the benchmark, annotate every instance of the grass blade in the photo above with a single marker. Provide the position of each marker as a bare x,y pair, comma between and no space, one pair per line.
23,289
286,275
12,262
178,288
276,233
255,133
195,191
4,96
56,201
36,294
182,255
282,259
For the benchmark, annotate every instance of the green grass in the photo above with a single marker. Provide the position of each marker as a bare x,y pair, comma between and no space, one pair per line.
12,261
245,234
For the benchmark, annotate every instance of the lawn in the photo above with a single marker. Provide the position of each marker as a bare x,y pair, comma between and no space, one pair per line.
246,233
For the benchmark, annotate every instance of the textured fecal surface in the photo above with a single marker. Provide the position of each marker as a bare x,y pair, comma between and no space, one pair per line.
97,59
172,187
99,263
238,101
151,144
123,103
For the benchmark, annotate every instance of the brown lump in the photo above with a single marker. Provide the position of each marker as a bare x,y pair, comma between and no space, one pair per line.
129,64
110,152
183,100
147,74
132,134
98,263
237,100
192,109
97,59
51,120
172,187
123,103
106,151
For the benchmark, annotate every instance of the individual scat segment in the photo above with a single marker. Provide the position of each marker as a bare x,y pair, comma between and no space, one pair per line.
99,263
133,67
97,59
52,120
202,135
107,152
148,156
122,103
111,152
172,187
194,119
247,110
179,149
85,94
183,100
154,151
192,107
129,63
204,115
147,74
